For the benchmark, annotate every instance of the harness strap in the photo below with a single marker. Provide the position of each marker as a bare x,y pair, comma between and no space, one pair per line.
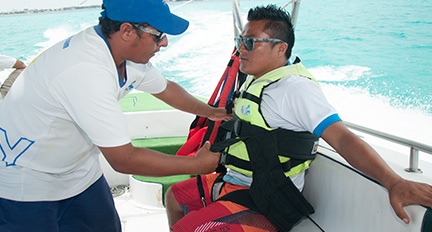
243,164
251,97
291,144
299,146
201,190
271,193
274,194
222,97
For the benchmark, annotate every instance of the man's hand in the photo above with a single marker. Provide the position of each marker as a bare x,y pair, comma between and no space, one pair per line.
407,192
207,161
219,114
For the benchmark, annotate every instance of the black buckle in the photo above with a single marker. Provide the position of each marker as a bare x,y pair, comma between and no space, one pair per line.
237,127
223,158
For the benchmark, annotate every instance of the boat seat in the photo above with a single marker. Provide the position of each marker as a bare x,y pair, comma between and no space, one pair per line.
151,190
346,200
167,145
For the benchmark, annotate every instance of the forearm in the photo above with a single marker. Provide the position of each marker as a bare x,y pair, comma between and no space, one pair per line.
367,160
140,161
146,162
177,97
360,155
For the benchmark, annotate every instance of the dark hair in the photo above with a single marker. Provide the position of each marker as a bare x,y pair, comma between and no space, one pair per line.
109,26
279,25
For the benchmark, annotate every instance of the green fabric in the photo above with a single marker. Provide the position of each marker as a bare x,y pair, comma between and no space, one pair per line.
169,145
145,102
166,181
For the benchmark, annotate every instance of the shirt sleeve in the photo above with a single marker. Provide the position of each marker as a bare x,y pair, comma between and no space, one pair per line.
6,62
89,96
297,103
153,81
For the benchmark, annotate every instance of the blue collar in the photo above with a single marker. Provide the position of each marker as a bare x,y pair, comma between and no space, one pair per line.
99,32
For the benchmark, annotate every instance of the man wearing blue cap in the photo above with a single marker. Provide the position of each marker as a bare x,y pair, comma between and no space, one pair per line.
63,111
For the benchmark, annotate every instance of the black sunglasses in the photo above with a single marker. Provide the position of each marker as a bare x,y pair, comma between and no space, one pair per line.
159,35
249,43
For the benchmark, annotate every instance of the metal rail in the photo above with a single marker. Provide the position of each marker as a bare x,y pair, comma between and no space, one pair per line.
237,20
414,146
294,12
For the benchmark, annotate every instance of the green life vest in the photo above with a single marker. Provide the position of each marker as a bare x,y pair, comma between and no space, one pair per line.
295,149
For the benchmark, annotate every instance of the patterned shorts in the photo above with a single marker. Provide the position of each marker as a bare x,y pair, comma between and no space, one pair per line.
219,216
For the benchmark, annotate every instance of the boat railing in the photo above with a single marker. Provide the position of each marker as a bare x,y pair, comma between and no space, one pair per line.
414,146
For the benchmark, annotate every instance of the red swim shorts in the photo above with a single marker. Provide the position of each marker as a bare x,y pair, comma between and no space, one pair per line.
219,216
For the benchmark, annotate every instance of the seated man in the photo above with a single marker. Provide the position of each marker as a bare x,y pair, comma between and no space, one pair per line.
280,100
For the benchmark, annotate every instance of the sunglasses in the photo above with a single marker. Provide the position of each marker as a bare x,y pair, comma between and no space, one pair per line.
249,43
159,35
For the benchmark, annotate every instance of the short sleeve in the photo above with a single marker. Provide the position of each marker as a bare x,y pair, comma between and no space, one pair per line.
297,103
153,81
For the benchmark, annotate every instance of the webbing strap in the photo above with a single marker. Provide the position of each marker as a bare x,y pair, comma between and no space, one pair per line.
251,97
227,159
291,144
274,195
201,190
271,193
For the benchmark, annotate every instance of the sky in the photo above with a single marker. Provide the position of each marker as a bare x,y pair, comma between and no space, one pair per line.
10,5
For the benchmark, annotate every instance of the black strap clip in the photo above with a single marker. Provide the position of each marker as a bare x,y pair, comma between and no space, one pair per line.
223,158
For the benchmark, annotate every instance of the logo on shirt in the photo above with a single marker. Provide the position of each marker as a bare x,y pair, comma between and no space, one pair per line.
130,87
245,110
12,153
66,43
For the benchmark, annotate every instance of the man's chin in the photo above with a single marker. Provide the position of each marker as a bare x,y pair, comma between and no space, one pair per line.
243,69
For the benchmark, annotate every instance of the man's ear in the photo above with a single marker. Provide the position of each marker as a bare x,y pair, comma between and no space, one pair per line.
282,47
127,31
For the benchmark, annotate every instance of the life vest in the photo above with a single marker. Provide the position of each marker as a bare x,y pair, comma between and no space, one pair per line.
295,149
257,150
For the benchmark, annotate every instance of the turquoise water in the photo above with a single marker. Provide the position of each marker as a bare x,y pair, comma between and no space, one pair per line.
372,58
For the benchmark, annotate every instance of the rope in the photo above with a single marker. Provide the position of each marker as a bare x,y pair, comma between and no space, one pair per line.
292,1
183,4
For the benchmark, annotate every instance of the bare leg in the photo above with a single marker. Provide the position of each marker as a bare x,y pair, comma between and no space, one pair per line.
174,212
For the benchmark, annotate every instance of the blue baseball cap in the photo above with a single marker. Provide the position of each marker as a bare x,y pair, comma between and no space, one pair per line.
154,12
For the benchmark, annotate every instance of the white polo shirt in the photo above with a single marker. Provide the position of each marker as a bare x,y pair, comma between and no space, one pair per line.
62,107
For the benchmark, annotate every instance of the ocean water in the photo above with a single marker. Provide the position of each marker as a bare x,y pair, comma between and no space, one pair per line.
372,58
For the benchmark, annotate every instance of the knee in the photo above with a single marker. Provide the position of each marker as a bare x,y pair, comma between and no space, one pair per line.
170,200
